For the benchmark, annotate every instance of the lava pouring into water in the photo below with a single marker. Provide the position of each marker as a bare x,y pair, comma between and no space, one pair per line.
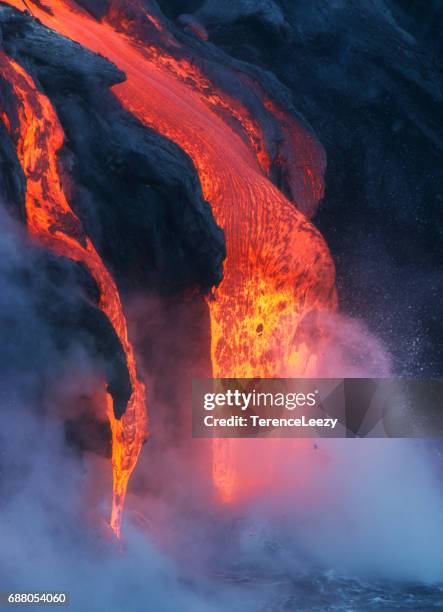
278,270
53,224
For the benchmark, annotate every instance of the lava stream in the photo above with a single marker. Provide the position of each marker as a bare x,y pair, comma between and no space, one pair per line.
53,224
278,269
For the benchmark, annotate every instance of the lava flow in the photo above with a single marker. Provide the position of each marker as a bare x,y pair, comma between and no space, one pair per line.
54,225
278,270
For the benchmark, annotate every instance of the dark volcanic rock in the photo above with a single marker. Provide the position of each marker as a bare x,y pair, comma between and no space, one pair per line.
48,319
136,193
30,43
12,180
66,302
97,8
264,13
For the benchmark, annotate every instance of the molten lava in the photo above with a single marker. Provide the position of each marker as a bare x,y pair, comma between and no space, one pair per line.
278,269
53,224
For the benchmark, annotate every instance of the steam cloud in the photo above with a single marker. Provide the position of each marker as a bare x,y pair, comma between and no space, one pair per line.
359,507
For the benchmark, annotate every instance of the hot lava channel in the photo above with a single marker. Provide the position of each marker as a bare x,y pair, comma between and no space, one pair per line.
278,269
52,223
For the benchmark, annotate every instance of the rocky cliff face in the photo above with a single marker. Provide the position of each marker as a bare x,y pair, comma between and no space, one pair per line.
136,194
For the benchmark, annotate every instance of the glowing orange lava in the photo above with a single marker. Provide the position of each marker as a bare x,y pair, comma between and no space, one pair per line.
278,269
53,224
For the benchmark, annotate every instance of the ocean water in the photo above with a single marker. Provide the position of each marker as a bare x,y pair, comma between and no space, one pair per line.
327,592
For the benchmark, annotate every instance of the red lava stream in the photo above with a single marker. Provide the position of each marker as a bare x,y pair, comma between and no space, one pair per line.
278,268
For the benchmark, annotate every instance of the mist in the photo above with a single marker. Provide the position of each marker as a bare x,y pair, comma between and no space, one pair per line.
359,508
55,500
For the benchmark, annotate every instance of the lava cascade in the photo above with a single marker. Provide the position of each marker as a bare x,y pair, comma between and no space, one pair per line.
54,225
278,270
